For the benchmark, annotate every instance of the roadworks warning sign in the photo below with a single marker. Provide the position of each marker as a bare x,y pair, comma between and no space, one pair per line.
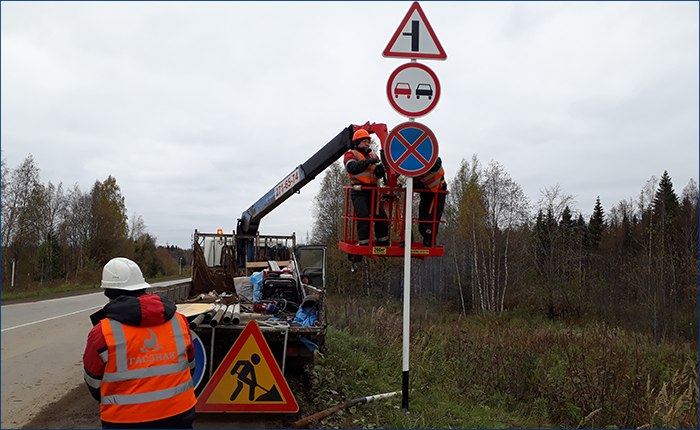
248,379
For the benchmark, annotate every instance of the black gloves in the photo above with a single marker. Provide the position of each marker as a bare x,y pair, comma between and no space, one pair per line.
379,171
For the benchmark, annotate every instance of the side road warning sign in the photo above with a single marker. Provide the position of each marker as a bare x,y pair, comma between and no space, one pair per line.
415,38
248,379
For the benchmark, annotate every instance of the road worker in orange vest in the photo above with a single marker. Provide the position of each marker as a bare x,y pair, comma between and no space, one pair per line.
364,170
432,203
139,357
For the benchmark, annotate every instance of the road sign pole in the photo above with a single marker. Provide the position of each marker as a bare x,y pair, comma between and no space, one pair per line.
408,218
13,273
412,158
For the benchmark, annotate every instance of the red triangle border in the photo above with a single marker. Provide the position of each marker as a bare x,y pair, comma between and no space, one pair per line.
251,329
441,55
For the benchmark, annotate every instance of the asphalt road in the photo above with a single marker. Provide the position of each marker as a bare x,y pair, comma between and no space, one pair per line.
42,349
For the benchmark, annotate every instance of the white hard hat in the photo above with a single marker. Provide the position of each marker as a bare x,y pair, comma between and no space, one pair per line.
123,274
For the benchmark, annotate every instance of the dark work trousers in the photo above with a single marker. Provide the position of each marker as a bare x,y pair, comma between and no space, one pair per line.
426,211
179,421
362,202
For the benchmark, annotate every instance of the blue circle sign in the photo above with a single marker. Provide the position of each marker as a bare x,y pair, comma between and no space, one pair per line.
411,149
200,360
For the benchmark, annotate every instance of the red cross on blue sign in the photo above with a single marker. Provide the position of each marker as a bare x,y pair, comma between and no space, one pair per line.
411,149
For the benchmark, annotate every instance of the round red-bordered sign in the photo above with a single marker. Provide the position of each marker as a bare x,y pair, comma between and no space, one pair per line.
413,89
411,149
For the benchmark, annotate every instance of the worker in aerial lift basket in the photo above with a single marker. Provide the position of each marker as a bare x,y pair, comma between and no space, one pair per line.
139,357
430,182
364,169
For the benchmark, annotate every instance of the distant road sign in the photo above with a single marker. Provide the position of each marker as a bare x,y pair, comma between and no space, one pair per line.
415,38
411,149
413,90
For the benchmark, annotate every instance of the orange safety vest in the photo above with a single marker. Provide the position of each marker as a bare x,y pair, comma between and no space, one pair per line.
147,374
366,177
433,180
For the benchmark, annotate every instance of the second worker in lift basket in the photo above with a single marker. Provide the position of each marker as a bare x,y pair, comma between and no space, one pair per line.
432,202
364,169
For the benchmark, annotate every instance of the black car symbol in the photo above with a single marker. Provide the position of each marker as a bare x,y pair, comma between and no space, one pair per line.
424,90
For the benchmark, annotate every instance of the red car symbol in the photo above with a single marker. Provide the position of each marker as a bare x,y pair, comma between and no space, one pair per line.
402,89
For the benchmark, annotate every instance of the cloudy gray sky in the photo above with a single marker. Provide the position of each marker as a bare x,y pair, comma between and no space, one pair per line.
200,108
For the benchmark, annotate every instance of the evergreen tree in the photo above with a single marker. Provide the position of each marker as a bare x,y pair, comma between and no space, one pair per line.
542,242
665,199
596,224
566,219
582,231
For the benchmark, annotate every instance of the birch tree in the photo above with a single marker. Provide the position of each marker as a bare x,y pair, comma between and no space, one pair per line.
52,210
329,205
464,214
489,207
327,212
19,213
74,230
506,207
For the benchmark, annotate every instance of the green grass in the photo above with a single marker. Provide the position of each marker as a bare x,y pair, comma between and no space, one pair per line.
510,370
65,288
18,293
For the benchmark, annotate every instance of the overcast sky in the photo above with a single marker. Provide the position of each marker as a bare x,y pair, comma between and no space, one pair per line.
198,109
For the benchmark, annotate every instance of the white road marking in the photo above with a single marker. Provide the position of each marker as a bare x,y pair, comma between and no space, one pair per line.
52,318
50,300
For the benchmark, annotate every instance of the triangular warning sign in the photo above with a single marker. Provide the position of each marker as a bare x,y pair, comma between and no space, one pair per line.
415,38
248,379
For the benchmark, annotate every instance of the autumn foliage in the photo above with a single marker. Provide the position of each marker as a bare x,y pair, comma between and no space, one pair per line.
60,236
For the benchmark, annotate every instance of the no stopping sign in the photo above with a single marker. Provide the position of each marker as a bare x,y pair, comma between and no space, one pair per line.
411,149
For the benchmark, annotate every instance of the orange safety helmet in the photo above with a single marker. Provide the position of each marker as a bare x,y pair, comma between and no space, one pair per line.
360,134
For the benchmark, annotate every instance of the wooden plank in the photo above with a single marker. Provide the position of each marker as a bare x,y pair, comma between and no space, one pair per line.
255,264
263,264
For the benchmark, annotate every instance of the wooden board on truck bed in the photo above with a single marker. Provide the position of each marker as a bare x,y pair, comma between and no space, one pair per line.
194,309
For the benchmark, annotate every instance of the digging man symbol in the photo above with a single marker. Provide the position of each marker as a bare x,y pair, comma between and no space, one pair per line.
246,376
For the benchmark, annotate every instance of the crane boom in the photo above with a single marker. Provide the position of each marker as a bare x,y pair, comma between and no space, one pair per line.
295,181
304,173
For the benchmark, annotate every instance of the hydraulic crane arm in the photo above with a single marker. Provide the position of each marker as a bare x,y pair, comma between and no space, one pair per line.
302,175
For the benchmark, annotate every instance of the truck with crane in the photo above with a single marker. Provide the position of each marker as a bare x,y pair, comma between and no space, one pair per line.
270,279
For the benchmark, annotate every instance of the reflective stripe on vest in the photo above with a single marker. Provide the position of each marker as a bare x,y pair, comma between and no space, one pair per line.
366,177
124,374
133,399
147,374
432,180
